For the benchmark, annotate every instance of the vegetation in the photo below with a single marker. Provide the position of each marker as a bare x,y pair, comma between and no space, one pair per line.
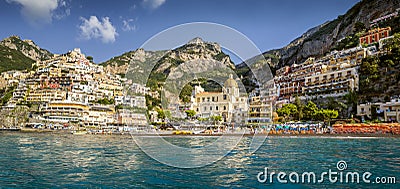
309,111
348,42
186,93
216,119
190,113
7,94
163,114
379,76
106,101
287,111
11,59
90,58
300,108
152,102
220,56
119,60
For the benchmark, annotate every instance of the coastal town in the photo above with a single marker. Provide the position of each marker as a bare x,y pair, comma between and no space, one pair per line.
71,92
200,94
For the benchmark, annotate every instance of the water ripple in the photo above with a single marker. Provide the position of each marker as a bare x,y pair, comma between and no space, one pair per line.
69,161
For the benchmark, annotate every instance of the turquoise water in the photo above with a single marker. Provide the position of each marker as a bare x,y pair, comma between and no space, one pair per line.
72,161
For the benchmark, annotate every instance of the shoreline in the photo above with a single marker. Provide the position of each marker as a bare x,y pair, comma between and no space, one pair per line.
325,135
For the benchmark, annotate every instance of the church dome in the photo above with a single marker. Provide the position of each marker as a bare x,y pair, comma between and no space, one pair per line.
230,83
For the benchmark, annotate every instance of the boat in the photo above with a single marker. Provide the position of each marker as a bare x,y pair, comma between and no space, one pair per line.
10,129
79,132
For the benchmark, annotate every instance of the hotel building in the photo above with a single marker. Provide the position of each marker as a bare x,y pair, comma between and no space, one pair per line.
374,35
334,83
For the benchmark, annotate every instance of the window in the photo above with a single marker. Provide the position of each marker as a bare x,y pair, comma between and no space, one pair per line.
224,97
203,99
224,107
197,109
213,99
208,99
325,77
210,108
309,80
205,108
348,73
216,107
339,74
332,76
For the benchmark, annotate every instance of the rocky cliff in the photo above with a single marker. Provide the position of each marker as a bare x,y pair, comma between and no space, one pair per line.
17,54
321,39
26,47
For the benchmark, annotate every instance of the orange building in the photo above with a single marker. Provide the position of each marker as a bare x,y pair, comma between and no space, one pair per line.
375,35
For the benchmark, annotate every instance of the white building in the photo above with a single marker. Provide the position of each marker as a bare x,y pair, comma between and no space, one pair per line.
227,103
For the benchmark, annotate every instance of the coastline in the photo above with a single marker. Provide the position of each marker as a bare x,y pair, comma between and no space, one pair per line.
165,134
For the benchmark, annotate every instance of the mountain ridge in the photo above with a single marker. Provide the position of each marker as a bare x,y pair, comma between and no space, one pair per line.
18,54
321,39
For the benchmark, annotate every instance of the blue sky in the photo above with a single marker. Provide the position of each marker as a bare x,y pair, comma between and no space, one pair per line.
104,29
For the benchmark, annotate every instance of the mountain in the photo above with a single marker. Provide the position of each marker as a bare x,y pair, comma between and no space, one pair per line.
135,65
195,59
17,54
321,39
161,63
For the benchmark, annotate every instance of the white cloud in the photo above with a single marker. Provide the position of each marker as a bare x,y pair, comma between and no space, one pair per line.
62,11
127,26
40,12
153,4
93,28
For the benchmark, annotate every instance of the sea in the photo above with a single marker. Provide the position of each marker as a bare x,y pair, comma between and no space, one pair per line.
43,160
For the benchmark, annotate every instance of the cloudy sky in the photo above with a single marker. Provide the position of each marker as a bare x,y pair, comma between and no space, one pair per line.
104,29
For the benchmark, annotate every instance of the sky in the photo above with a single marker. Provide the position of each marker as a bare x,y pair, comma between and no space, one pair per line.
104,29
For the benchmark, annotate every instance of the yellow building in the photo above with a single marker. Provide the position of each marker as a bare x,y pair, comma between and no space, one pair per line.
99,116
64,111
335,83
45,95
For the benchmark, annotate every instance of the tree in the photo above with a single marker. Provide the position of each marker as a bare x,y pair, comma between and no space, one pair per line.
392,43
216,119
90,58
119,107
161,114
190,113
351,101
333,104
359,27
287,110
310,110
300,108
186,93
327,115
